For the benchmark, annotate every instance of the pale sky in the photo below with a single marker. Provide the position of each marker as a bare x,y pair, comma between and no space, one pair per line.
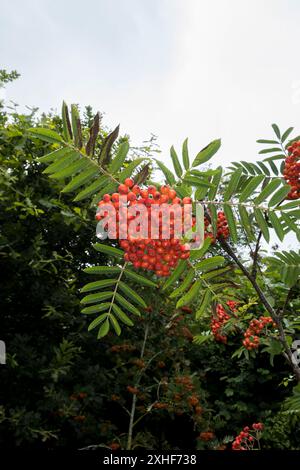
176,68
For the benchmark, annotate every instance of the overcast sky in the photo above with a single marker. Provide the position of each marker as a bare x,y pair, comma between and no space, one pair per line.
177,68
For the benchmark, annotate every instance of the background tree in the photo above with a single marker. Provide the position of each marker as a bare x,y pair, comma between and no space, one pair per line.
62,387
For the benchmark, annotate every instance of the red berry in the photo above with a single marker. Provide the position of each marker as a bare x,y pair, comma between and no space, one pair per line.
151,190
164,199
291,172
164,190
176,200
115,197
123,189
131,196
187,200
129,182
144,193
136,189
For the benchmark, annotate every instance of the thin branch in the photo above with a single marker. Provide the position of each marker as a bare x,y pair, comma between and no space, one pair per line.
277,319
249,276
280,311
93,162
255,255
283,149
116,287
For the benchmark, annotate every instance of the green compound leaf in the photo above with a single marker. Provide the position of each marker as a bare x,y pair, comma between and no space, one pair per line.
104,329
176,163
196,254
190,295
47,135
231,223
96,308
233,184
115,324
280,195
267,191
260,219
175,274
203,304
119,158
189,277
102,270
122,316
97,321
97,285
207,153
170,178
55,155
138,278
127,305
185,154
251,187
276,224
108,250
132,294
92,188
210,263
94,298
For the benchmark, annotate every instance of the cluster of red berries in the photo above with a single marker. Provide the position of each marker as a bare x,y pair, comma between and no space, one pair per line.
291,172
186,381
232,304
160,405
115,397
117,348
139,363
114,446
219,319
159,255
186,394
248,437
222,228
251,340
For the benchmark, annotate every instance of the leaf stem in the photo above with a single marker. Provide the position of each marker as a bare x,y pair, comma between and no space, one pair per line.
116,287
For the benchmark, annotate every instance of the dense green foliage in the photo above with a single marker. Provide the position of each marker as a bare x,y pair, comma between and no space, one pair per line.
63,388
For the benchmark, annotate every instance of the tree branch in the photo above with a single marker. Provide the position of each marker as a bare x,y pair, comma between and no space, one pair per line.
251,278
280,311
255,255
277,318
